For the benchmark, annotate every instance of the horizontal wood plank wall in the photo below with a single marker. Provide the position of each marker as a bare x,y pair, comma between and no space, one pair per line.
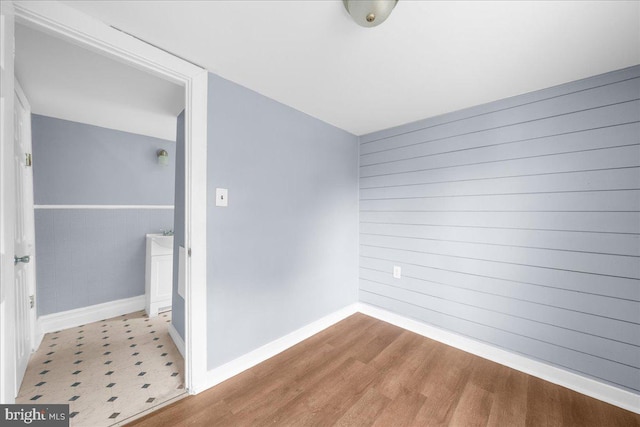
516,223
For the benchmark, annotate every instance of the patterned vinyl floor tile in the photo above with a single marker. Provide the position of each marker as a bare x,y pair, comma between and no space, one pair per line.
106,371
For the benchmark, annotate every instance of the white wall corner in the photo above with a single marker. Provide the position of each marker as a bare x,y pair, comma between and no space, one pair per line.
81,316
177,339
251,359
584,385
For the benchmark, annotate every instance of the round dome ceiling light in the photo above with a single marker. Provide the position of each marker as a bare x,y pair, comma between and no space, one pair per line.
369,13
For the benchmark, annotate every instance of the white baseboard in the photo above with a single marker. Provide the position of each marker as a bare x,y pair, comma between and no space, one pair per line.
249,360
177,339
598,390
81,316
587,386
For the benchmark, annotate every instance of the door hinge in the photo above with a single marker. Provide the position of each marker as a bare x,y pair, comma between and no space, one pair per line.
27,161
32,301
189,252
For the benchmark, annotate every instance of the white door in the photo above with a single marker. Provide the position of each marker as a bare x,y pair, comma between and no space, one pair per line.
24,246
7,209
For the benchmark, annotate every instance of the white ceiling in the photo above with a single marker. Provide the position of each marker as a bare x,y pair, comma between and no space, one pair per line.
428,58
68,82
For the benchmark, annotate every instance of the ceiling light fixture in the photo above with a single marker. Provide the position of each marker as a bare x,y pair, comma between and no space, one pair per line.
369,13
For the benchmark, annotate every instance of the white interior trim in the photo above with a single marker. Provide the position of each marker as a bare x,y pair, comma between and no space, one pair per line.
65,22
196,337
590,387
103,206
251,359
82,316
177,339
7,211
147,411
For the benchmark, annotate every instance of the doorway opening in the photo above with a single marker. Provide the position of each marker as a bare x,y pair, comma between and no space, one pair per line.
63,22
105,140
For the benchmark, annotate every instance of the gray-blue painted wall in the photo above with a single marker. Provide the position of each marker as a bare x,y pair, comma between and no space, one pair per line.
91,256
80,164
177,302
516,223
284,253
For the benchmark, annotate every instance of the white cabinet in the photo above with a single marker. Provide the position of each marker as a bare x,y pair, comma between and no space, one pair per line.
158,273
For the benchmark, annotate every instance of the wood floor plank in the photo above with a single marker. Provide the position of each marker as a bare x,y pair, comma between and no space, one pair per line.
543,404
286,374
186,412
405,373
510,399
364,372
365,411
330,398
295,355
617,417
379,339
422,367
257,411
309,378
444,385
473,408
393,353
485,372
216,415
347,330
402,410
578,409
356,325
436,412
344,398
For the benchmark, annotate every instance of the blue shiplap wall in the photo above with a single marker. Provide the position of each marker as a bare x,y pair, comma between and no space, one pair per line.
92,256
516,223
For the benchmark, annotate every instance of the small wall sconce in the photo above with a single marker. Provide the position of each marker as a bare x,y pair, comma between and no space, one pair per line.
163,157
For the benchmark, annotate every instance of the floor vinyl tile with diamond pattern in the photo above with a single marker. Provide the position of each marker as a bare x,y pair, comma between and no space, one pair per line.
106,371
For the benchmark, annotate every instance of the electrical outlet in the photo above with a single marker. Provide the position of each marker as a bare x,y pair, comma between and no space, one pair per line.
397,272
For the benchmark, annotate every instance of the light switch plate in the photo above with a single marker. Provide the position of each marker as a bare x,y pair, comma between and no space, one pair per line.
222,197
397,272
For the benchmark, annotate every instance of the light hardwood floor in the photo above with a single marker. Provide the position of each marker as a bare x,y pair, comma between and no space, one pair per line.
363,372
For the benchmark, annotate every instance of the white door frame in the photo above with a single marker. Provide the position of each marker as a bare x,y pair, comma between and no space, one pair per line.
7,208
76,27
